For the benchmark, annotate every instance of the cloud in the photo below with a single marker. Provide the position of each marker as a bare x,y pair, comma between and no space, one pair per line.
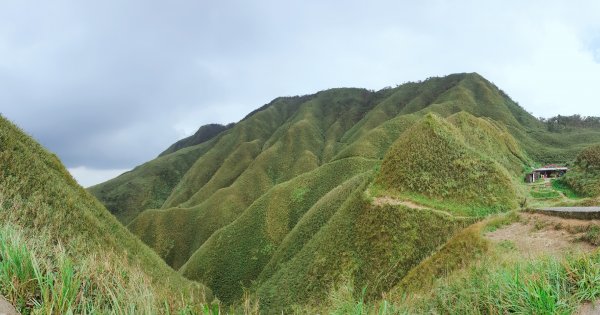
110,84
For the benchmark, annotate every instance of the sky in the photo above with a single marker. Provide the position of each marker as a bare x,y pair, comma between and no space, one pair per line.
108,85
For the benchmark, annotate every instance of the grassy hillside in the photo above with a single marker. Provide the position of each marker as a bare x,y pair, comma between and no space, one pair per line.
584,176
462,165
471,274
272,203
53,233
269,220
149,185
372,247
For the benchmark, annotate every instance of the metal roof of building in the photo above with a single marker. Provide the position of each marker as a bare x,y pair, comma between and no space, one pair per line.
546,169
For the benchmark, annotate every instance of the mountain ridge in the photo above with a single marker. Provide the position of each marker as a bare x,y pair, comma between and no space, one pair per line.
259,197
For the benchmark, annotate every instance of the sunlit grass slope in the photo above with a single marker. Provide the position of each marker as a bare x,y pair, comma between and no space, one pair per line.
61,250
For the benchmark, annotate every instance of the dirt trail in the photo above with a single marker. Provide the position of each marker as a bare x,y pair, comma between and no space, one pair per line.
386,200
7,308
538,234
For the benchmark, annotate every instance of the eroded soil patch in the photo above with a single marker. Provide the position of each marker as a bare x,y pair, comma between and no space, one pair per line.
537,234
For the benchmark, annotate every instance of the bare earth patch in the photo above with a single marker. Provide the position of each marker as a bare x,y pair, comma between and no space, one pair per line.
589,309
538,234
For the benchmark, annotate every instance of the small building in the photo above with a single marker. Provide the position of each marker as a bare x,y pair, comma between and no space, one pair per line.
548,171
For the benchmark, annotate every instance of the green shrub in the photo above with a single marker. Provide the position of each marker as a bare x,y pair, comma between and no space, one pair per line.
562,186
584,176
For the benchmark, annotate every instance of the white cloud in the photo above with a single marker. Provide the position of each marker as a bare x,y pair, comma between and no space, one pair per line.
87,177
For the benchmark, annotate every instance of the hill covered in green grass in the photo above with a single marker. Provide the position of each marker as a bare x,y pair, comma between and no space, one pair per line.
464,164
311,192
584,176
62,252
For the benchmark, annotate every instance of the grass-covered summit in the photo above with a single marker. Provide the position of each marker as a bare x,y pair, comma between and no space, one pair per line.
62,252
462,163
281,204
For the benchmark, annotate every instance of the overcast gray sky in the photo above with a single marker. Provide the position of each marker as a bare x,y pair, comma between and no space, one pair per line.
109,84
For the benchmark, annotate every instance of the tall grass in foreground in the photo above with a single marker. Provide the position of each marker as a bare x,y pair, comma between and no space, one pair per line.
545,286
39,279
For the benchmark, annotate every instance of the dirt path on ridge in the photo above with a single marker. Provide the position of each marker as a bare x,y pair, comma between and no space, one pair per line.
386,200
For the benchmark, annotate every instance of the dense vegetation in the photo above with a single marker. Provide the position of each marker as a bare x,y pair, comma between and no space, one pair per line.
61,251
584,176
559,123
279,204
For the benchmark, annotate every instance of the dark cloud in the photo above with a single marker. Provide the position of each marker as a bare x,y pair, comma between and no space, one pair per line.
109,84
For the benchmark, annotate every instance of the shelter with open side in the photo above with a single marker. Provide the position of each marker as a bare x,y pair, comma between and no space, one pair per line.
547,171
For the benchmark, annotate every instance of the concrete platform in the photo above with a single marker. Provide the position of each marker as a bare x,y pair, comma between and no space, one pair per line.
584,213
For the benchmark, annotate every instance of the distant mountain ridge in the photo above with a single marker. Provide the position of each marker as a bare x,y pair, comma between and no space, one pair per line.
203,134
279,202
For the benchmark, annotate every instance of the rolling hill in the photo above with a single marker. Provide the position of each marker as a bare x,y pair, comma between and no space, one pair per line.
287,202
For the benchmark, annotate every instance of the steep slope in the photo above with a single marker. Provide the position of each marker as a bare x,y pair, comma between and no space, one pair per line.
261,202
41,201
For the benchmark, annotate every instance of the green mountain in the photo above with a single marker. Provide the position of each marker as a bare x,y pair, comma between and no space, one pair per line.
62,252
310,192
